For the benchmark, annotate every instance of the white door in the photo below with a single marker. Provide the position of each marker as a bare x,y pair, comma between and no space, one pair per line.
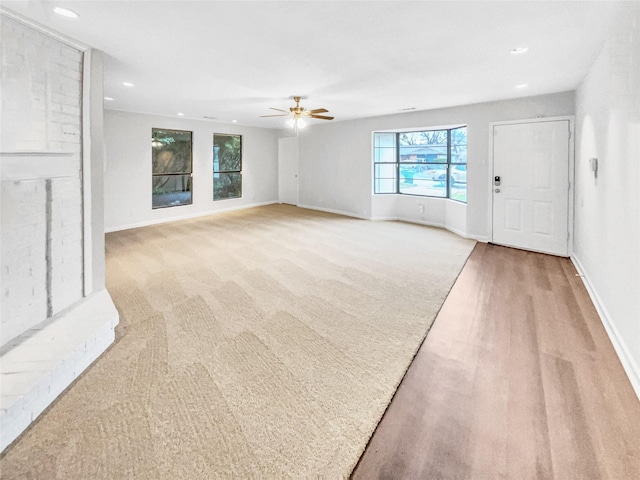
288,170
531,195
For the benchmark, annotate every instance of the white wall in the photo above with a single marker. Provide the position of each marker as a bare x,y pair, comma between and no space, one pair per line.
128,168
335,166
607,206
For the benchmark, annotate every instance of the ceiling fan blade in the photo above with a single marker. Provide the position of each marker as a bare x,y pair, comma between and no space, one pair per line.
322,117
317,110
278,109
277,115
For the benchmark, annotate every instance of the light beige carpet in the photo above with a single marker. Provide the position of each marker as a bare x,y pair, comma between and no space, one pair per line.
260,343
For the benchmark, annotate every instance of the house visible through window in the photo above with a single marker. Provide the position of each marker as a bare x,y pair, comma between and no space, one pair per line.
430,163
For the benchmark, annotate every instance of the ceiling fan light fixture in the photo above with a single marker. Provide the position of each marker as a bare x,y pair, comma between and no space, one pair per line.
297,123
65,12
299,113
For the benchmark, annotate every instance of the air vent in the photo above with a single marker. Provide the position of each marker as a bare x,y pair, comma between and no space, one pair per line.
210,117
407,109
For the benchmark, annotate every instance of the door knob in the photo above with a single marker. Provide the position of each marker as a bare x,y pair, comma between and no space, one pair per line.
497,190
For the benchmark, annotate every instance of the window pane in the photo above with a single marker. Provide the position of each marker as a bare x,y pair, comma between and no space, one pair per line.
227,153
459,173
384,140
459,136
459,145
384,185
458,154
171,190
458,183
422,179
384,155
428,137
227,185
170,151
385,170
436,173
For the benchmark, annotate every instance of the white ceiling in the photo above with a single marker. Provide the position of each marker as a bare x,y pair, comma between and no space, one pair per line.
235,59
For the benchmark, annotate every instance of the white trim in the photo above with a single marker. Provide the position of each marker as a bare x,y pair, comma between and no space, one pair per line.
297,162
420,129
460,233
147,223
43,29
337,212
532,120
479,238
422,222
444,226
87,238
390,219
628,362
571,173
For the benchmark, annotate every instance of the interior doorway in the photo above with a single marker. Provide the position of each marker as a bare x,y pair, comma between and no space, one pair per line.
530,185
288,170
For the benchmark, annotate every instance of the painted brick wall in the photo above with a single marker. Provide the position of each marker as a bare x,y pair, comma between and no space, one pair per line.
41,197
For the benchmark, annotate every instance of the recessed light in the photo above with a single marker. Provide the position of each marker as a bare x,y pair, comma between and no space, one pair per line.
65,12
234,121
522,85
519,50
110,99
127,84
180,114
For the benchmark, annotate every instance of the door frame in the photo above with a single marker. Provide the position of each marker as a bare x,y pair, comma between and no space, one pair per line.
571,166
281,141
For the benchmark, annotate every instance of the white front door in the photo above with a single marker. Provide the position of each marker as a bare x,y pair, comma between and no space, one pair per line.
288,170
531,186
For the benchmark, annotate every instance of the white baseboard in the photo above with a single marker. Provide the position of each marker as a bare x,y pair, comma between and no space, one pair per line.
628,362
146,223
460,233
479,238
422,222
337,212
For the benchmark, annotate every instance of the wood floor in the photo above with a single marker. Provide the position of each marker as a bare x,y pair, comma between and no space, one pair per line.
516,380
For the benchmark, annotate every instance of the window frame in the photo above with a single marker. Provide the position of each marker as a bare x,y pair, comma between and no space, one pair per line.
238,171
398,163
188,173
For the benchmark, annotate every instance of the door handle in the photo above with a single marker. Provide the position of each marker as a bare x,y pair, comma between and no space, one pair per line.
497,190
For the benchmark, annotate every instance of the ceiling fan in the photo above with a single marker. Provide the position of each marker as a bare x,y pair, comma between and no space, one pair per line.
299,113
